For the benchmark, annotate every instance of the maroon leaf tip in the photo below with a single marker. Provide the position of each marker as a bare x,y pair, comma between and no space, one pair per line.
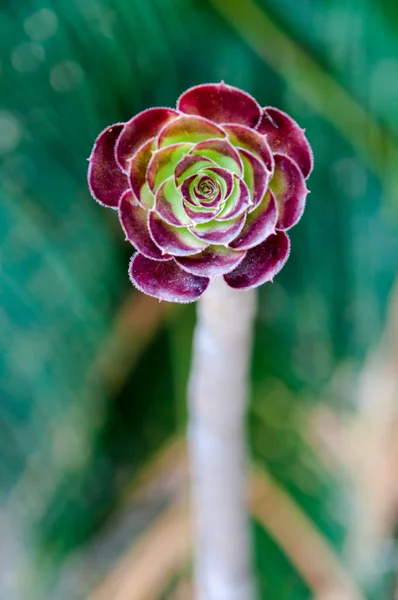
166,280
261,263
140,129
285,136
133,219
220,103
106,182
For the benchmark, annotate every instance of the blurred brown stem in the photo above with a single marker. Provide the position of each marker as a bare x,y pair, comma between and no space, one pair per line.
217,442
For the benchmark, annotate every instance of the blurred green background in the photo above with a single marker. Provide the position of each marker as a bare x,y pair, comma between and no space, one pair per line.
93,375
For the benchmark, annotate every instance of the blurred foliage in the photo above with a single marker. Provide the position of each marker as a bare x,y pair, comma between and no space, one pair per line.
70,442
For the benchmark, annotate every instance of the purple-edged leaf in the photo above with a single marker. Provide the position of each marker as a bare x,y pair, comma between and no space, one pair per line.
220,103
260,224
251,140
164,162
237,203
188,190
222,153
166,280
215,260
285,136
255,176
173,240
261,263
168,204
213,203
106,181
139,129
133,219
290,190
188,129
190,165
138,171
199,214
220,232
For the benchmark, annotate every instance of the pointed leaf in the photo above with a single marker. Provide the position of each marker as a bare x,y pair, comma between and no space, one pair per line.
138,174
290,190
199,214
238,201
133,219
190,165
255,176
219,232
222,153
260,224
165,280
176,241
220,103
285,136
169,205
188,129
215,260
163,164
106,181
261,263
188,191
251,140
139,129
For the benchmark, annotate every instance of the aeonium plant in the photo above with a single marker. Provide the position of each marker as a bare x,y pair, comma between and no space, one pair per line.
205,190
205,193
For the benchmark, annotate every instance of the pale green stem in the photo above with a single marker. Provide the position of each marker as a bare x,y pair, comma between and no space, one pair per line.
218,398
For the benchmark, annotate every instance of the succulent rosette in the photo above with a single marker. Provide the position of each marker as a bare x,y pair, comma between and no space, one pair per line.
204,190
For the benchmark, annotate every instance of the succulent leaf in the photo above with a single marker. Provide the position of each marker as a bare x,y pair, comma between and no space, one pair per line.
166,280
188,129
288,185
169,204
107,183
215,260
173,240
222,153
284,135
237,202
191,165
138,169
249,139
220,103
260,224
255,176
261,263
138,130
163,163
219,232
133,219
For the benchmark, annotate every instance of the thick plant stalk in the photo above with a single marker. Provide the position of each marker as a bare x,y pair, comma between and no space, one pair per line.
218,400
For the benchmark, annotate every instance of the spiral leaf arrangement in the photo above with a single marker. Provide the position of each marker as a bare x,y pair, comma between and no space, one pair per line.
205,190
